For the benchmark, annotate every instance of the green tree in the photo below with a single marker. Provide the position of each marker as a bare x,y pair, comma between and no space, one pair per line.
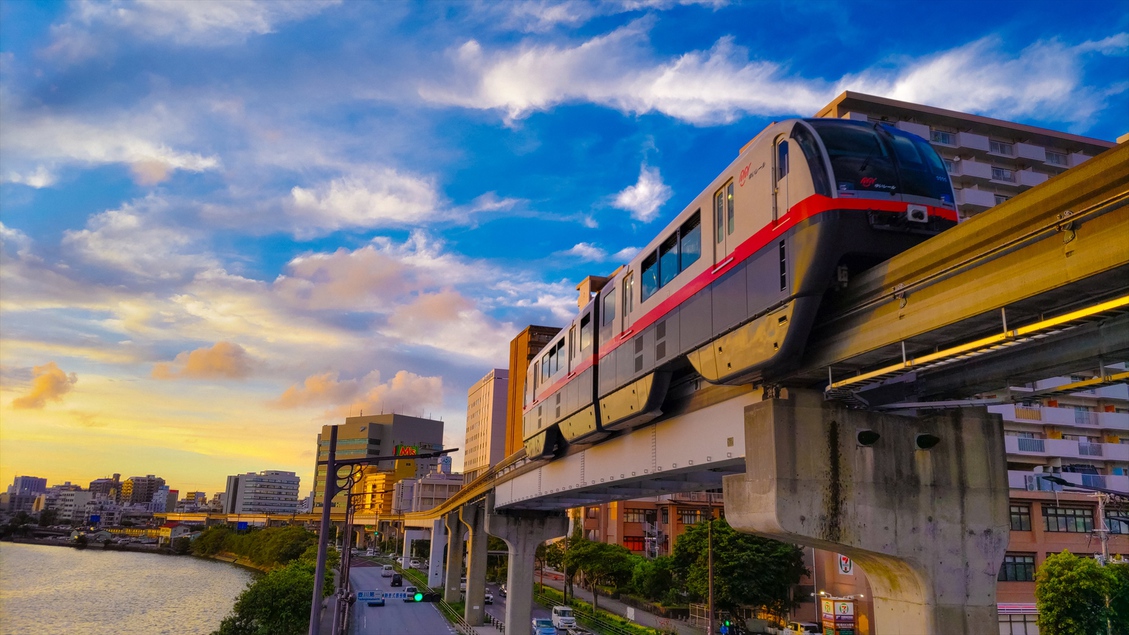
48,517
748,570
601,564
655,579
276,604
182,545
1119,597
210,541
1070,593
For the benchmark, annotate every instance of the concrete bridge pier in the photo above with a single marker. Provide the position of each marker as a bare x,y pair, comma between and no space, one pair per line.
523,531
455,548
410,536
474,517
435,555
919,503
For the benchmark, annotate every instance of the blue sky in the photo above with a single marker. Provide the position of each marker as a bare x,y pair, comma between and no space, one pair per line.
225,224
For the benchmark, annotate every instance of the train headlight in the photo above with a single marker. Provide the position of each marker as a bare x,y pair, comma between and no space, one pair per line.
917,214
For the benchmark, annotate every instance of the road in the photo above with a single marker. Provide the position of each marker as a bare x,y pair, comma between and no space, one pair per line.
396,617
498,608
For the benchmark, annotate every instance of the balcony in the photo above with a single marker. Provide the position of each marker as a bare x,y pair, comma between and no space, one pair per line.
1077,158
970,169
1030,178
1028,151
972,141
1033,481
973,197
1066,449
1116,391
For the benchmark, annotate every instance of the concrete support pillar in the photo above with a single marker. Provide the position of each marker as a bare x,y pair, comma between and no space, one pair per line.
474,517
455,549
435,556
523,531
919,503
410,536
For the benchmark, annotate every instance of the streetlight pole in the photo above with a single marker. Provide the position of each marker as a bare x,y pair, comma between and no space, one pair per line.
331,490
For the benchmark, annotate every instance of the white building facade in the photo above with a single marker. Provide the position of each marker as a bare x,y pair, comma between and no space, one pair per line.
267,492
485,424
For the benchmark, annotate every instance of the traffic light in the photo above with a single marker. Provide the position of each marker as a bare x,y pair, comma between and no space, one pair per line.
418,597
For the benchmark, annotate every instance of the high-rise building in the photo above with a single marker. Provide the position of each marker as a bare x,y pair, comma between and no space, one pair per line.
140,489
72,504
28,485
523,348
377,435
485,424
107,487
426,492
268,492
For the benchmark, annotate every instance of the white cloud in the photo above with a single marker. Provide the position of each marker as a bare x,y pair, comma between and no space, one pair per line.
646,197
46,142
722,84
592,253
39,178
374,198
540,16
134,239
84,32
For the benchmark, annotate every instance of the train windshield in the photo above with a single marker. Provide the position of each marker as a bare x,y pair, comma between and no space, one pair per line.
880,158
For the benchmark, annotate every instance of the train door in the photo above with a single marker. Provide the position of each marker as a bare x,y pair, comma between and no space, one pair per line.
780,201
724,222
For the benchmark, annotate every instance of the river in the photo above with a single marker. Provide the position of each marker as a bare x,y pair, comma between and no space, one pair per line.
48,590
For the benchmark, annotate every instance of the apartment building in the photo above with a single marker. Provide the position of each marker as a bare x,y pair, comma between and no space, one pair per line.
266,492
140,489
420,494
485,424
28,485
107,487
648,526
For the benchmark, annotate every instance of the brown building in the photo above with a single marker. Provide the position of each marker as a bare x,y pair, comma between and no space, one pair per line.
522,349
648,526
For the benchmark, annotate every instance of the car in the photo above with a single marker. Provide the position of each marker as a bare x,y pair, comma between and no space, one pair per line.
543,626
488,598
397,580
415,564
386,571
562,617
376,602
502,590
410,593
802,628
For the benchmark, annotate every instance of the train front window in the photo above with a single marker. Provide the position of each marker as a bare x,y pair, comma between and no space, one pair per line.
860,161
920,169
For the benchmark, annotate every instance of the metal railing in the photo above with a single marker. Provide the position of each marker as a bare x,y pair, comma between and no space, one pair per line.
1089,449
457,620
1031,445
590,620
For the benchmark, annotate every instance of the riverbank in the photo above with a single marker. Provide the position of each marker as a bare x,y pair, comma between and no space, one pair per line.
163,551
239,561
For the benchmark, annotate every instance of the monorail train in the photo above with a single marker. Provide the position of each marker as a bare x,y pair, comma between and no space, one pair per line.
730,288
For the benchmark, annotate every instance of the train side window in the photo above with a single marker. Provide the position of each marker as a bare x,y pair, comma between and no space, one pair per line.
551,361
571,345
719,213
781,160
536,374
628,297
668,260
650,275
729,206
585,331
690,235
608,308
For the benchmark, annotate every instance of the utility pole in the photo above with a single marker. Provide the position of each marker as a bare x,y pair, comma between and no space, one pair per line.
709,569
323,535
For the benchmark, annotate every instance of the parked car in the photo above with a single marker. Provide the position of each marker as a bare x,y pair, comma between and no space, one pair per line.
409,594
802,628
376,602
415,564
543,626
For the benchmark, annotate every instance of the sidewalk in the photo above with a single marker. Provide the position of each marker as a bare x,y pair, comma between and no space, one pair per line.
556,581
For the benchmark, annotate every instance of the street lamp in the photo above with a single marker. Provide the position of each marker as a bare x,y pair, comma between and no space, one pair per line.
332,488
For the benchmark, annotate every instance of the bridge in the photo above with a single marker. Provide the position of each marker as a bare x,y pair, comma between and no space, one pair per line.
874,446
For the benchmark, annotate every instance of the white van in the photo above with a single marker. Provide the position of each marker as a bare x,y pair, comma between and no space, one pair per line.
386,571
562,617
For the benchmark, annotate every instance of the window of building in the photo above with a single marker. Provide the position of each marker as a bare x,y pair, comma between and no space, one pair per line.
634,515
690,516
593,512
943,136
1024,624
666,516
1001,147
1078,520
1003,174
1018,567
950,166
635,543
1057,158
1021,518
1000,198
1116,526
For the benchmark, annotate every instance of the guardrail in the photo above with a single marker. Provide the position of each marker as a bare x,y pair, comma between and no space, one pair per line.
457,620
590,620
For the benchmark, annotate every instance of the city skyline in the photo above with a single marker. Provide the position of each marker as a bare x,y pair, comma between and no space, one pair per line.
225,226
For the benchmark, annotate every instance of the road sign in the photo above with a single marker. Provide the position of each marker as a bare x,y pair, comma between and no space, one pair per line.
363,596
